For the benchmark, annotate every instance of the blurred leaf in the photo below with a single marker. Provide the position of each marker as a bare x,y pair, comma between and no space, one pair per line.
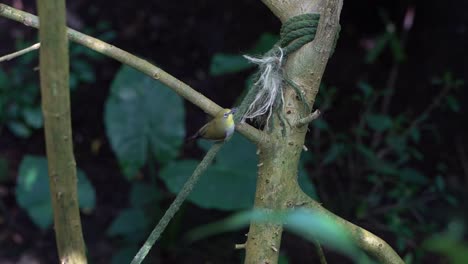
413,176
124,255
283,259
380,43
3,170
264,43
83,70
4,81
32,190
453,103
19,129
33,117
131,223
86,192
143,194
375,163
335,151
238,154
320,124
456,251
397,143
143,115
415,134
219,187
378,122
223,63
397,49
306,223
306,185
440,183
366,88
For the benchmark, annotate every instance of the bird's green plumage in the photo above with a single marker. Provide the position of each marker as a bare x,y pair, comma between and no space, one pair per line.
220,128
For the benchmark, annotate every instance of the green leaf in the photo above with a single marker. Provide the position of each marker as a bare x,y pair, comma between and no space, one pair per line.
283,259
19,129
124,255
238,154
303,179
131,224
415,134
333,153
397,49
33,117
141,116
366,88
218,188
33,195
455,250
320,124
86,192
380,43
413,176
223,63
375,163
453,103
264,43
440,183
309,224
378,122
143,194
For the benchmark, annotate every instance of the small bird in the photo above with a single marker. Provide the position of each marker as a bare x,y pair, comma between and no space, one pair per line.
220,128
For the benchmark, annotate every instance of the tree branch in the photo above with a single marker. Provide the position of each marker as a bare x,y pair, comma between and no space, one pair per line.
370,243
20,52
144,66
55,93
277,186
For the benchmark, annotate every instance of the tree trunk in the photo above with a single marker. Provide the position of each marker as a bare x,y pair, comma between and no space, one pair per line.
54,74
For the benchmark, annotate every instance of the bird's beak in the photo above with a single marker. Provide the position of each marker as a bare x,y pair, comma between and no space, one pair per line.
233,110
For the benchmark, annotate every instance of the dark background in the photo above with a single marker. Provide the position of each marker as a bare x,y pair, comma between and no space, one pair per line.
181,36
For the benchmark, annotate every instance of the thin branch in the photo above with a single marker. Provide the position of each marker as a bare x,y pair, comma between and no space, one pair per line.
306,120
174,207
239,246
20,52
421,118
370,243
144,66
320,253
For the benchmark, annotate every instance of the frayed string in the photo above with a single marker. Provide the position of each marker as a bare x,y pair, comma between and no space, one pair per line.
269,84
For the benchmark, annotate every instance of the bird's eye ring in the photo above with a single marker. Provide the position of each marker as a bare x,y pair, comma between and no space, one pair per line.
225,115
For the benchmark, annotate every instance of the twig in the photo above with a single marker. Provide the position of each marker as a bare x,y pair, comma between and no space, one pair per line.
144,66
239,246
391,81
370,243
320,253
306,120
20,52
423,116
174,207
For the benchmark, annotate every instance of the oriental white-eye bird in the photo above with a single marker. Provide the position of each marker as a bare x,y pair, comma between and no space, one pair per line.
221,127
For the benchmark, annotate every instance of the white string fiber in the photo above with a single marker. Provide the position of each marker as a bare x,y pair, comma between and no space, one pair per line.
269,84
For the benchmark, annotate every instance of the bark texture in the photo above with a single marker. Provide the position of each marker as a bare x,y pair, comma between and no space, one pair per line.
54,75
277,186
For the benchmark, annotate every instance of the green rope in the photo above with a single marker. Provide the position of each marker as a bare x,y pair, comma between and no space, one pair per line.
294,33
298,31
